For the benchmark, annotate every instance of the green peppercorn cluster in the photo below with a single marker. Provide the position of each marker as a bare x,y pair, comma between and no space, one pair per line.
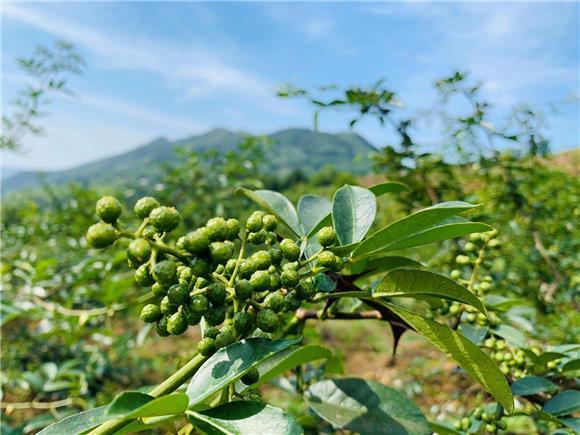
491,422
237,279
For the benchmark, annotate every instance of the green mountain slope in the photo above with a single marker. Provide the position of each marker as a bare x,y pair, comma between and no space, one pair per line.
291,149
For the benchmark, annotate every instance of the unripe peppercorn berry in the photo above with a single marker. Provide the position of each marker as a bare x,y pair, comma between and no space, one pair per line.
143,276
200,267
196,242
267,320
260,280
258,238
326,237
192,318
139,251
215,315
261,260
270,222
327,259
101,235
244,289
275,255
161,327
158,289
290,249
199,304
247,267
220,252
254,222
178,294
216,293
206,347
217,229
275,302
305,289
233,228
275,281
150,313
167,307
290,278
145,206
165,272
291,301
242,323
149,232
251,377
463,260
225,338
165,218
176,324
211,332
230,266
109,209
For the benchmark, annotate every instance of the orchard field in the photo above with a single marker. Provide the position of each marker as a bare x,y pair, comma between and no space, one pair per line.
436,293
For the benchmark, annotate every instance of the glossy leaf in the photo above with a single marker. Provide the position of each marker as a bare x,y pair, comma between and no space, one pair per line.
388,187
441,429
511,335
314,212
132,404
423,220
409,283
288,359
229,364
533,385
366,407
353,213
240,418
564,403
473,333
278,205
461,350
78,423
371,266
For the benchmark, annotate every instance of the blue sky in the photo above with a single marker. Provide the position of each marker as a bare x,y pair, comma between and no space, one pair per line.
176,69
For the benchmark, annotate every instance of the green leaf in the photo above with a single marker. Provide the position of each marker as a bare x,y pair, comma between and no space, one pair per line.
533,385
408,226
546,357
388,187
366,407
409,283
571,366
371,266
229,364
132,404
78,423
461,350
314,212
441,429
567,402
353,213
288,359
240,418
278,205
511,335
475,334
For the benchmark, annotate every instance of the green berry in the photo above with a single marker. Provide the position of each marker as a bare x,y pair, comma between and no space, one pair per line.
326,237
470,247
230,266
191,317
233,228
199,304
165,272
462,259
306,289
270,222
260,280
261,260
225,338
477,413
216,293
176,324
290,278
217,229
465,423
211,332
327,259
258,238
455,274
149,232
242,323
275,281
167,307
215,315
101,235
178,294
201,283
244,290
165,218
275,302
161,327
275,255
247,268
490,428
145,206
206,347
290,249
251,377
255,222
143,276
267,320
220,252
291,301
158,289
196,242
150,313
109,209
338,263
200,267
139,251
494,243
